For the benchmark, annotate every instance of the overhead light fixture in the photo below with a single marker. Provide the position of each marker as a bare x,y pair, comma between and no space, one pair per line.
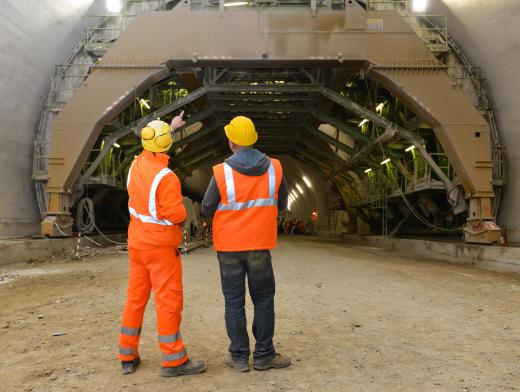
299,188
419,5
385,161
380,107
368,170
114,6
235,3
363,122
117,145
410,148
144,103
307,181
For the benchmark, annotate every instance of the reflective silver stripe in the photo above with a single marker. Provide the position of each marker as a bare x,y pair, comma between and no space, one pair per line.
230,184
151,200
272,180
174,357
247,204
126,350
232,205
170,338
130,331
129,172
152,218
148,218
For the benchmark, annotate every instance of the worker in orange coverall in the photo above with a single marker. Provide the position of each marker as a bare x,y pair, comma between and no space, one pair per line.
154,234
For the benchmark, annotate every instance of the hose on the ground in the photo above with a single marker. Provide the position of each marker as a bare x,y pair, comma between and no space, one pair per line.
86,222
87,205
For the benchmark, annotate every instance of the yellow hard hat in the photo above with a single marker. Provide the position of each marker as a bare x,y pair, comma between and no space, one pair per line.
241,131
156,136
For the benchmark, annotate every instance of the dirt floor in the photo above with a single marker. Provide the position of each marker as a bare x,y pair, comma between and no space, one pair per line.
352,318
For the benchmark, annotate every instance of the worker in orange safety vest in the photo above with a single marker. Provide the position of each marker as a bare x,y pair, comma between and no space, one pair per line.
245,194
156,215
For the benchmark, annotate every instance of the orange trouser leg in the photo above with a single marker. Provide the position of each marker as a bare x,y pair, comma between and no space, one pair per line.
138,293
165,268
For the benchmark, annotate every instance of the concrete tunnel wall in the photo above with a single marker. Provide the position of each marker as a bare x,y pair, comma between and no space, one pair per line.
38,35
489,34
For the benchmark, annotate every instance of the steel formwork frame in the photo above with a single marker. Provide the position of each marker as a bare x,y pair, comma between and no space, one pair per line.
392,55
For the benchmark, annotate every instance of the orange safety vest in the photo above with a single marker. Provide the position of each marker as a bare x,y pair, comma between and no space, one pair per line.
145,229
247,214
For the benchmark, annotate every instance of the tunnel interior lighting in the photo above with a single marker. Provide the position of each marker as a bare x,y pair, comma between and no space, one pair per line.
307,181
299,188
385,161
144,103
235,3
419,5
363,122
117,145
380,106
114,6
410,148
368,170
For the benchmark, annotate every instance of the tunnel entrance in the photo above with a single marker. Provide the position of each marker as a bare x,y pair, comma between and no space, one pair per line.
391,144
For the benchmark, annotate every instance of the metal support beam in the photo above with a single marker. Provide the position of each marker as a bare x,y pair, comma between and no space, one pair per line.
262,108
162,111
264,88
194,136
329,139
348,104
326,118
136,127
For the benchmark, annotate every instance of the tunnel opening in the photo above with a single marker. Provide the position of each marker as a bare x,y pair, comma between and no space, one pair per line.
357,179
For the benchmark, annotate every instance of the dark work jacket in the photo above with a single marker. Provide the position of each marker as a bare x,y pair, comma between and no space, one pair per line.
249,162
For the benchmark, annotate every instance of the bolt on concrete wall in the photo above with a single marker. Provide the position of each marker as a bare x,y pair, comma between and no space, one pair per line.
35,36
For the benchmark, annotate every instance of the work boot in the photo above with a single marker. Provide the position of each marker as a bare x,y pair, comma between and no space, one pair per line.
189,367
277,362
130,366
241,365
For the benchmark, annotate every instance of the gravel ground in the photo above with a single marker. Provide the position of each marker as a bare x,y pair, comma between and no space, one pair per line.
352,318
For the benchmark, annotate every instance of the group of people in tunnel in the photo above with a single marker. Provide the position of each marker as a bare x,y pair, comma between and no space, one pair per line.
242,204
289,226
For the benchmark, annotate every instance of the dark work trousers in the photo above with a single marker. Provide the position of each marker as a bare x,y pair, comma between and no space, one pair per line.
256,264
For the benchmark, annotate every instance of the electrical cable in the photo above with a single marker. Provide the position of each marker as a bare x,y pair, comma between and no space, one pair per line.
403,196
87,222
66,235
87,205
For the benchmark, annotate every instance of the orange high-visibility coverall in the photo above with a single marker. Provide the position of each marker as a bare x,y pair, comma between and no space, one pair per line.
156,210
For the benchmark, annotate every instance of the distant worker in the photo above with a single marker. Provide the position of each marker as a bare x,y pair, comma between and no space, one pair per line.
245,194
156,214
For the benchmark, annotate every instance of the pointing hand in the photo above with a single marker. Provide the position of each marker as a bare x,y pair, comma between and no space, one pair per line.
177,121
